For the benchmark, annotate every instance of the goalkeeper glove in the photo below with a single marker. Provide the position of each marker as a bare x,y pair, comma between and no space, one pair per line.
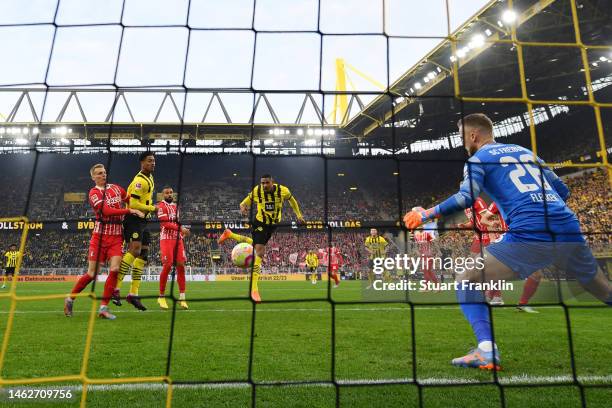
418,216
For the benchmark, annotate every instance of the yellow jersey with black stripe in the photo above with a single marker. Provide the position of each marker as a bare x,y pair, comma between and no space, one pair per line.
377,246
312,260
141,191
270,203
11,259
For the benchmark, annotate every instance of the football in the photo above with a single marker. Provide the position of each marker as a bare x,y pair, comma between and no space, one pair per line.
242,255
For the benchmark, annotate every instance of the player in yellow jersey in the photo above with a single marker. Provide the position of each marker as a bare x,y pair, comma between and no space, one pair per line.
312,262
12,257
135,231
377,248
269,197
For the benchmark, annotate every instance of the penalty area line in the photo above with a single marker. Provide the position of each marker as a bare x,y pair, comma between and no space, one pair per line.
521,379
260,310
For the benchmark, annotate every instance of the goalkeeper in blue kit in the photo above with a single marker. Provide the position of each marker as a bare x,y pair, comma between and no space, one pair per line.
542,229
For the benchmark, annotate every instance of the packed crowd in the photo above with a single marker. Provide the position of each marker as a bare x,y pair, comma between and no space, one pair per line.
57,249
591,200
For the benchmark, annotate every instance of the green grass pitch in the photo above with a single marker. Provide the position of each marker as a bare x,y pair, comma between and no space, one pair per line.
293,342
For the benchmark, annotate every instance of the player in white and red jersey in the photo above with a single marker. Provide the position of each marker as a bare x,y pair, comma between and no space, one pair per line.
335,261
482,237
423,237
171,247
497,228
106,240
474,220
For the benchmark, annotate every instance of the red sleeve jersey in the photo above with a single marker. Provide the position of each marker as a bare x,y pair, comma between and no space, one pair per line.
493,208
107,204
168,214
336,257
474,214
423,239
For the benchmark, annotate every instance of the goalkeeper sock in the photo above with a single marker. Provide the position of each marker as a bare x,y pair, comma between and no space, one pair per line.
163,279
126,264
256,273
180,278
241,238
109,286
80,285
476,312
137,268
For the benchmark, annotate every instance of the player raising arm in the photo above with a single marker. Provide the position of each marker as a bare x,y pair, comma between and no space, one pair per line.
542,229
106,242
269,197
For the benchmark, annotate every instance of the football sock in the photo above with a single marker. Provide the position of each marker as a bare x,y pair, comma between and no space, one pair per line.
241,238
493,293
335,277
163,278
476,312
109,286
531,285
126,264
180,277
137,268
4,280
256,273
182,296
430,276
80,285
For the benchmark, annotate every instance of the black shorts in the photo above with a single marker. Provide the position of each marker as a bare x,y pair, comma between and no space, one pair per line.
9,270
135,230
312,268
261,233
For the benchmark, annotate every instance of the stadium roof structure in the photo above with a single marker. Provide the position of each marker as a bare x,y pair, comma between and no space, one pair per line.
422,103
419,112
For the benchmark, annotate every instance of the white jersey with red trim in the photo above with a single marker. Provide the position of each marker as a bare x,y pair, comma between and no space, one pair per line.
168,213
474,215
335,256
424,236
113,196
